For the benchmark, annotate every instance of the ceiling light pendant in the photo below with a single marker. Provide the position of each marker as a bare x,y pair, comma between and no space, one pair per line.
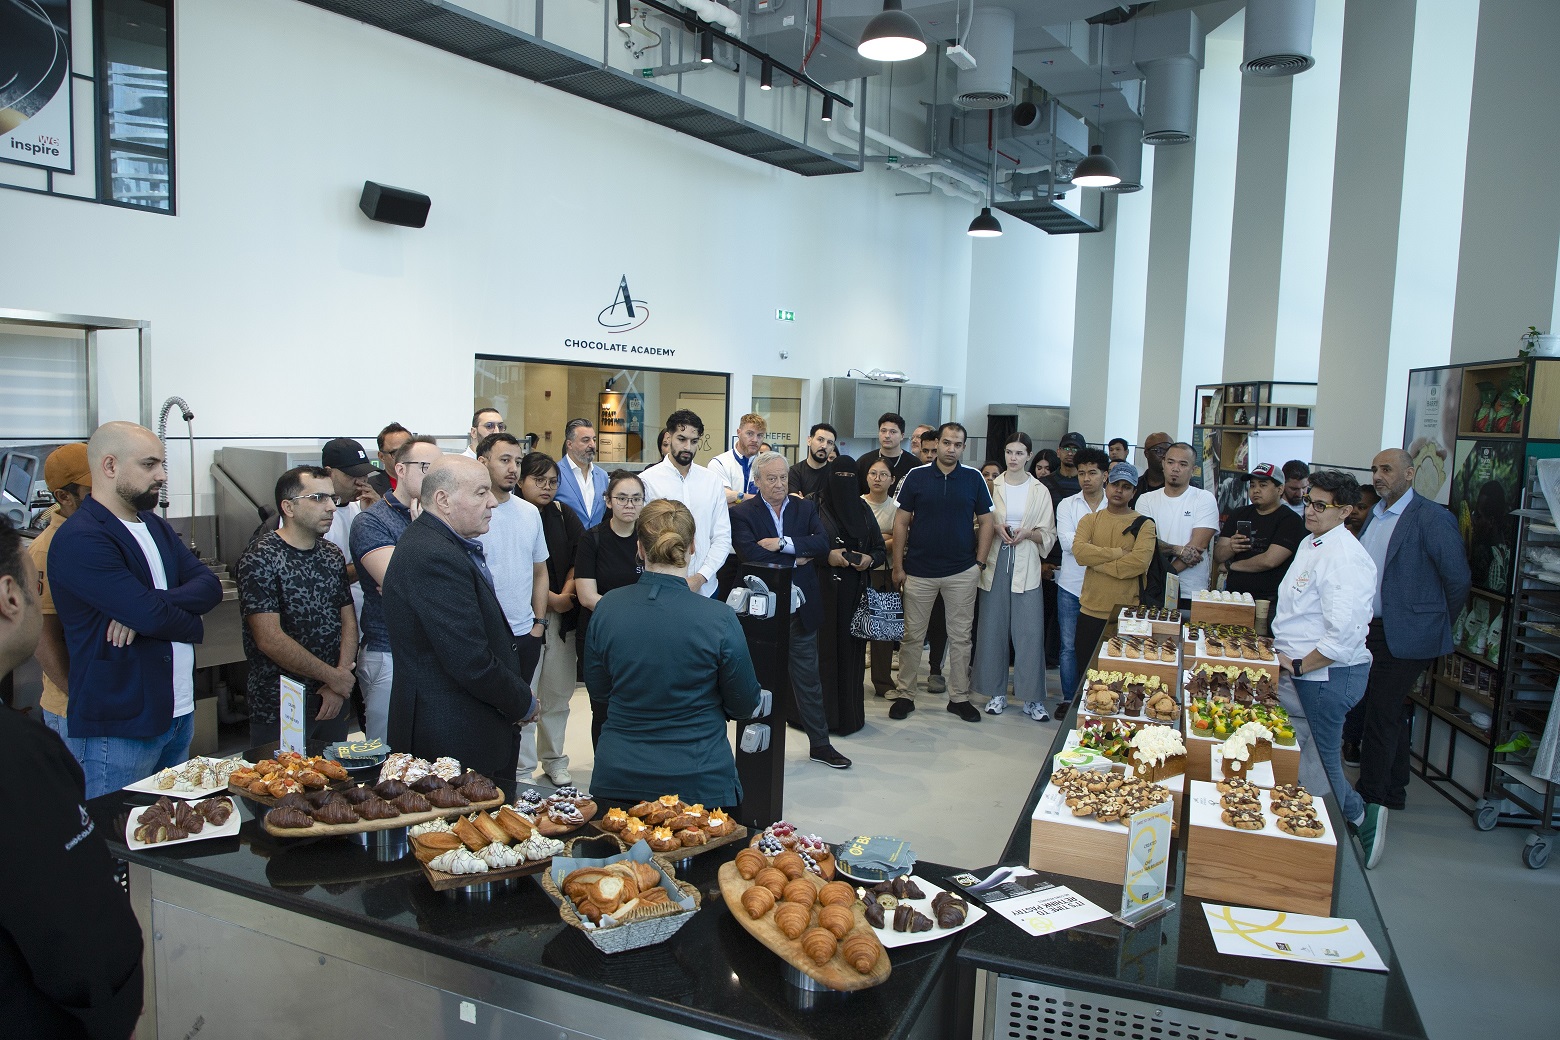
706,48
625,13
766,77
1097,170
985,225
891,35
828,109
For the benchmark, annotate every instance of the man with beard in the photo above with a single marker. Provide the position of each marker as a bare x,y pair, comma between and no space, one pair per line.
701,491
130,596
1153,476
582,485
899,456
808,476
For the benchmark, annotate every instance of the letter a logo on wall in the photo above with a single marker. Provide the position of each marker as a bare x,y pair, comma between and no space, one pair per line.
625,314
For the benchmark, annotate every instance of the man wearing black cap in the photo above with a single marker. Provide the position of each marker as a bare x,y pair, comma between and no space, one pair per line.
1258,540
348,465
1066,478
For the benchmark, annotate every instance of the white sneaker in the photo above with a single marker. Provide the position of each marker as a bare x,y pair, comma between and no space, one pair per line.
1036,710
997,705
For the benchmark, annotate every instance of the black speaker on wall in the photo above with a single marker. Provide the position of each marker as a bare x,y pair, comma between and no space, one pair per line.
394,205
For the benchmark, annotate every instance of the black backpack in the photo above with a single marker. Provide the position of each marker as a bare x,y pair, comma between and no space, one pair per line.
1151,584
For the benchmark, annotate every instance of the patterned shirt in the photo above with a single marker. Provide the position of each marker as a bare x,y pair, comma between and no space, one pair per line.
308,589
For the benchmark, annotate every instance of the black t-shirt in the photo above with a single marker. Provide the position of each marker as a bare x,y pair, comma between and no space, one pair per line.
1063,486
1280,527
898,467
806,481
610,560
944,508
308,589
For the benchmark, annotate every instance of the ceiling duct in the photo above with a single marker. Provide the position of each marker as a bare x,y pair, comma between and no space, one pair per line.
990,83
1169,101
1278,37
1123,141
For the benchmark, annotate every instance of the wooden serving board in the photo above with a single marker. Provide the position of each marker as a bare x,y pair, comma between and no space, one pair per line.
443,882
548,829
330,830
833,973
738,833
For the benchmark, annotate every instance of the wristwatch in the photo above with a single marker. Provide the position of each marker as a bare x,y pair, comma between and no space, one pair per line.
540,621
1296,666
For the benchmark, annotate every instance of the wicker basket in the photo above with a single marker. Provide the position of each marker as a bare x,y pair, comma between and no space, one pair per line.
629,936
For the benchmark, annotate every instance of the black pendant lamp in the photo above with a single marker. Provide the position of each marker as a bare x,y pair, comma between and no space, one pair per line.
892,35
985,225
1097,170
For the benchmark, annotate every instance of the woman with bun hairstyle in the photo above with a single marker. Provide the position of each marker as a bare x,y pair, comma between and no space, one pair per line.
672,668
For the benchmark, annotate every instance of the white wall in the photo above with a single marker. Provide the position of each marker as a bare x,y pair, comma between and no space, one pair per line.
278,310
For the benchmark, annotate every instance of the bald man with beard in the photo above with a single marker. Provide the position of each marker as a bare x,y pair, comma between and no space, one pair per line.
130,595
458,688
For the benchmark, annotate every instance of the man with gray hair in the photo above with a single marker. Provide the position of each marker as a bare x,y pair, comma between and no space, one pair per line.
458,688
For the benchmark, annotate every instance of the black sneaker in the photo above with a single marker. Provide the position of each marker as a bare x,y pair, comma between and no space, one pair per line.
826,754
1061,710
964,710
1351,754
900,708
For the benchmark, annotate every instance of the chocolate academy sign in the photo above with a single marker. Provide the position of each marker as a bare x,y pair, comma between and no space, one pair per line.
623,315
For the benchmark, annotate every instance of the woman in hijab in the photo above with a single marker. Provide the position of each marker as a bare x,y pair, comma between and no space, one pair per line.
855,547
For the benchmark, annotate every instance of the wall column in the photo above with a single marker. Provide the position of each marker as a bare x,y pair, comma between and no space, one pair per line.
1091,371
1164,317
1257,233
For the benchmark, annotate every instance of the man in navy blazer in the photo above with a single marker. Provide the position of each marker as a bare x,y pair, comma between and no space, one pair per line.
1422,582
130,596
579,478
776,528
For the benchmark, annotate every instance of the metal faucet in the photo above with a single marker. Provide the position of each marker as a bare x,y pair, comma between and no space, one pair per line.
162,435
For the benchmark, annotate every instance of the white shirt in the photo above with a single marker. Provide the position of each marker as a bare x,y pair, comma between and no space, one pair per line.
470,453
1175,519
728,467
514,544
1072,509
183,653
1016,496
587,486
1377,538
1324,601
1299,509
705,496
340,535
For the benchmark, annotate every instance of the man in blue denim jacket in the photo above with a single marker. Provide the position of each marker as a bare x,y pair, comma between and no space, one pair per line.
130,596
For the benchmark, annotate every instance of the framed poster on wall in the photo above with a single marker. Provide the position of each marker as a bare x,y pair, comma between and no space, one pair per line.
35,84
1430,429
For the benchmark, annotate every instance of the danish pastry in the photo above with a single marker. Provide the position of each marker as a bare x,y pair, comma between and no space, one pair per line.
719,824
692,836
792,919
758,901
615,820
663,840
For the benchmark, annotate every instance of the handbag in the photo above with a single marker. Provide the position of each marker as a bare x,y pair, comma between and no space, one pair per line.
879,617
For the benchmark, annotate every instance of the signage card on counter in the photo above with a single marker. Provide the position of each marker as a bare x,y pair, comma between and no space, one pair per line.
292,713
1272,934
1039,907
1148,863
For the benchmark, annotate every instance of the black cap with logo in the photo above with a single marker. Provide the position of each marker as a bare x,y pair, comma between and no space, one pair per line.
347,455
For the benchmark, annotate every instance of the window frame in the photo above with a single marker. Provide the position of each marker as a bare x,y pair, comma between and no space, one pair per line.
105,146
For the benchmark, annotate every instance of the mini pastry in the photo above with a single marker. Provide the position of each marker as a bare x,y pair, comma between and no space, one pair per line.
432,826
296,800
445,768
514,825
459,861
480,791
469,833
783,832
875,915
790,864
335,812
692,836
499,857
861,952
565,814
282,786
155,833
949,910
641,810
469,776
376,809
355,795
799,891
447,798
1302,826
837,919
411,802
490,828
663,840
758,901
900,888
819,944
836,893
431,782
532,798
1242,819
750,862
390,789
441,841
635,830
908,919
770,878
615,820
288,818
311,778
792,919
216,810
690,818
539,847
719,824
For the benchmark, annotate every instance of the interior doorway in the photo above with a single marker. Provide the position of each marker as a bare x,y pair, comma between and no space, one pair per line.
779,400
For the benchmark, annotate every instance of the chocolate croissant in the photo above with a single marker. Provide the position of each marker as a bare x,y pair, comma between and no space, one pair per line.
359,794
335,812
294,801
792,919
758,901
319,798
950,915
480,790
470,776
447,798
875,915
376,809
431,782
819,944
288,818
390,790
215,810
411,802
861,952
837,919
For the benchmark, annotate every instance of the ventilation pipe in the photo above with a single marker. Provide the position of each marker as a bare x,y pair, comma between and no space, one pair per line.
990,83
715,14
1169,100
1278,37
1123,141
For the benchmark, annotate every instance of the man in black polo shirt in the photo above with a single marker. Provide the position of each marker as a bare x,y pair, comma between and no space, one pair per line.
943,527
1258,540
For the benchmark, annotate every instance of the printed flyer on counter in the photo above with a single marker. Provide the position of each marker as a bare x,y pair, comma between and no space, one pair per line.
1039,907
1274,935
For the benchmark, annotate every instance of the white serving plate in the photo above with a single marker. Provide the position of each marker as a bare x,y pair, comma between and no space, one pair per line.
227,830
891,939
149,784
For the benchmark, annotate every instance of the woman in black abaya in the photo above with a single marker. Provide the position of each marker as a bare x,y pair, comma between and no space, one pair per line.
855,547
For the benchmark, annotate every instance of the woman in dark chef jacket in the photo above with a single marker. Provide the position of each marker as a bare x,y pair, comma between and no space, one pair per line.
672,666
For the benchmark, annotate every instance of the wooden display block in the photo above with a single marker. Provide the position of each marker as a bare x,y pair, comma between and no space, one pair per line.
1168,672
1266,868
1225,613
1126,625
1175,784
1081,846
1200,758
1082,717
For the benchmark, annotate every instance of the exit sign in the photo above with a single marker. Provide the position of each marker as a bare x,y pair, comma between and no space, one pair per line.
785,315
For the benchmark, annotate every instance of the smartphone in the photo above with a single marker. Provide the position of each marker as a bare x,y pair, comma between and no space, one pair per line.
1243,528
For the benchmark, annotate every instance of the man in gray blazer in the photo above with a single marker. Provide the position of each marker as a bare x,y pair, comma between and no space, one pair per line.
1422,582
458,688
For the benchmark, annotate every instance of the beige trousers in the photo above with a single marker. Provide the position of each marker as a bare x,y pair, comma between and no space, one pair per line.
555,688
919,594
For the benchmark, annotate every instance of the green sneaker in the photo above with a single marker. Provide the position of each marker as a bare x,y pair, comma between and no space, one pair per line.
1372,834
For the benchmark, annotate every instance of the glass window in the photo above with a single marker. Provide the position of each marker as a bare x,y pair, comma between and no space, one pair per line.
135,119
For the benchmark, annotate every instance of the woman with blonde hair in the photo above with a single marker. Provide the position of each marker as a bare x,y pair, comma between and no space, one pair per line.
672,668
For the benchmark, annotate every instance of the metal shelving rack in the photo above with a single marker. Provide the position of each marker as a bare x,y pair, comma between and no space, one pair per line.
1516,797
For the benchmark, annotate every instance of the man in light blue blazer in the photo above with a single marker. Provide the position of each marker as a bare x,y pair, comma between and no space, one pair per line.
1422,582
582,485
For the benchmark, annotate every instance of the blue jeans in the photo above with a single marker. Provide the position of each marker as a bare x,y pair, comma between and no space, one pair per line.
1326,704
1067,621
112,762
54,722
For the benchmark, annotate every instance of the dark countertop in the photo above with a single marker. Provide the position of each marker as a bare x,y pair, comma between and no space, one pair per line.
1173,960
711,975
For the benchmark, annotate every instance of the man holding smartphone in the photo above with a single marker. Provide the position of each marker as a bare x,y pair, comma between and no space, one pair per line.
1257,541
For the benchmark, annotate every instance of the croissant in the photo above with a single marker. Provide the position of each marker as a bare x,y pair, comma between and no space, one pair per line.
648,877
749,862
758,901
479,791
319,798
875,915
790,864
836,893
771,879
446,798
658,895
792,919
358,795
819,944
335,812
799,891
390,790
217,810
376,809
288,818
431,782
294,801
837,919
411,802
861,951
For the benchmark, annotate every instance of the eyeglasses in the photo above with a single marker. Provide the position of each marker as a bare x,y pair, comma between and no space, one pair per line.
318,497
1311,503
629,500
495,427
546,485
423,465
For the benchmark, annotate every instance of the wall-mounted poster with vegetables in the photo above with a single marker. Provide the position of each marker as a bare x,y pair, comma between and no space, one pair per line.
1486,486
